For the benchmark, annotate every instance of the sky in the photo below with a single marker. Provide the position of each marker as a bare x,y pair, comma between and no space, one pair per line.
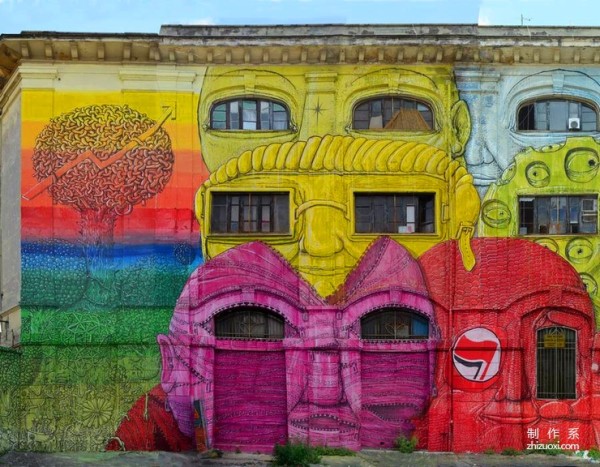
146,16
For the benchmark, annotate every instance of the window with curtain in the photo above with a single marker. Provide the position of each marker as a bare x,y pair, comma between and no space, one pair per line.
392,113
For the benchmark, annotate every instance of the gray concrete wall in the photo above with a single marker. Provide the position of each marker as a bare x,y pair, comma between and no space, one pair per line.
10,203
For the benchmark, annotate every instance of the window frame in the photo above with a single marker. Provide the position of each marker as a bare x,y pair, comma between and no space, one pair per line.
522,197
417,194
566,99
547,395
248,310
397,310
254,233
258,100
401,98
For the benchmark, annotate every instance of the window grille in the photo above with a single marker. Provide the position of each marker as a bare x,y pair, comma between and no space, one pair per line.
394,323
556,363
249,323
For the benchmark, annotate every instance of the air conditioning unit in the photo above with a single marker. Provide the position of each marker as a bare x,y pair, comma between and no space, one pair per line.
574,124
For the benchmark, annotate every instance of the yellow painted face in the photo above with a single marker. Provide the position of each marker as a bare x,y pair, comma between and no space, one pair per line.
322,101
550,196
322,181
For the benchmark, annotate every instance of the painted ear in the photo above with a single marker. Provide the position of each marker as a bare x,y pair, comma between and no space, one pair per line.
169,361
461,127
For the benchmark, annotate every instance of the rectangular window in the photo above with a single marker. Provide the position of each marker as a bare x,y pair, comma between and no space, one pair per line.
245,213
404,213
556,363
558,215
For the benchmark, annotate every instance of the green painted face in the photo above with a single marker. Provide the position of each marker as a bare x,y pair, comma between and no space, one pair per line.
550,196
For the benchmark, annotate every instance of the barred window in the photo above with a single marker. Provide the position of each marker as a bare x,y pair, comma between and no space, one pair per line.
394,323
557,115
556,363
392,113
249,114
558,215
249,323
246,213
394,212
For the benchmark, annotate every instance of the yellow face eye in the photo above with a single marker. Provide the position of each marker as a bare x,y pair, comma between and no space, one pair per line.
581,165
508,174
590,284
538,174
495,214
548,243
580,250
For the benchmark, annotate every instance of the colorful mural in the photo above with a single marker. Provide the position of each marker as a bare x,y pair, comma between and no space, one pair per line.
550,196
321,268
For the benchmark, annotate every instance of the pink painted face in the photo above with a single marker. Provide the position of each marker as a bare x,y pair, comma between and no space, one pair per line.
319,372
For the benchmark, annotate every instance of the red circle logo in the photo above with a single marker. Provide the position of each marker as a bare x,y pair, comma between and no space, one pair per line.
476,355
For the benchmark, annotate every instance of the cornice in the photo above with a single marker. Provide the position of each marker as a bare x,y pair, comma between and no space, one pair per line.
311,44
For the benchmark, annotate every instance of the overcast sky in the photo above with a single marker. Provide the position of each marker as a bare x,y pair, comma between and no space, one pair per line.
148,15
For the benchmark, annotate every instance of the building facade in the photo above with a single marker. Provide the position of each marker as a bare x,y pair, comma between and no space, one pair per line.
232,236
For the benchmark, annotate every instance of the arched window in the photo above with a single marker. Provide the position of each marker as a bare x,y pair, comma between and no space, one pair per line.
556,363
557,115
249,323
249,114
392,113
394,323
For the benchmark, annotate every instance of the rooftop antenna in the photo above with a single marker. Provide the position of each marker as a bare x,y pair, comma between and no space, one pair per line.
523,19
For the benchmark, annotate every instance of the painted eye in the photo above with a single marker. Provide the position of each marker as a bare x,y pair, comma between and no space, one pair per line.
590,283
548,243
495,213
508,174
581,165
579,250
538,174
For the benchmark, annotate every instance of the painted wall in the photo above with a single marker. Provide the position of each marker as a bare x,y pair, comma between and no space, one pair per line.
118,169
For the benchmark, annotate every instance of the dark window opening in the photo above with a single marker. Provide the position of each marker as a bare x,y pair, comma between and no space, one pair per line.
243,213
556,363
558,215
392,113
394,323
249,323
557,115
394,213
249,114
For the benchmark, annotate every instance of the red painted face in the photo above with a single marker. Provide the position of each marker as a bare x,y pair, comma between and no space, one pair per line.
494,376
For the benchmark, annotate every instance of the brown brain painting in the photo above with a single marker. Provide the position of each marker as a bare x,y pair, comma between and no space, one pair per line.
103,159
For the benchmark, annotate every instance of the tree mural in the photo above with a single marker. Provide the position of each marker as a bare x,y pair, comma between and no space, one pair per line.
102,160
